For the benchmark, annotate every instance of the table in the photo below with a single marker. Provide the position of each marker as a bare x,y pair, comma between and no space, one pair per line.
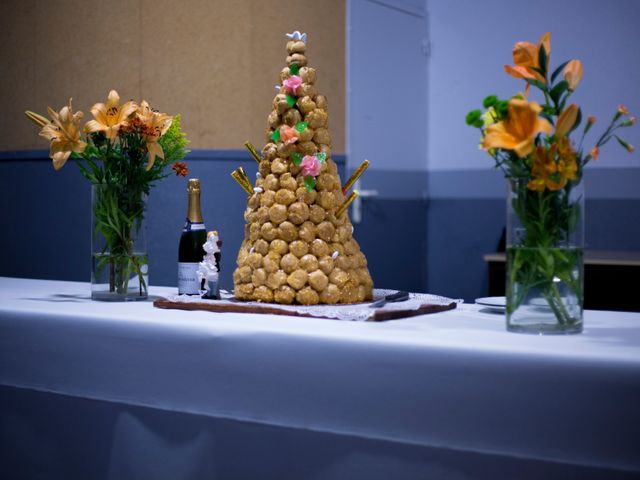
124,390
610,279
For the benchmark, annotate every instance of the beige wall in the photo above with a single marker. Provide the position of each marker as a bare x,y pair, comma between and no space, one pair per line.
214,61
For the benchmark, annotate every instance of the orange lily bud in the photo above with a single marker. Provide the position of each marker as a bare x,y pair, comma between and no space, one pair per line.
566,120
622,110
594,152
573,73
37,118
591,119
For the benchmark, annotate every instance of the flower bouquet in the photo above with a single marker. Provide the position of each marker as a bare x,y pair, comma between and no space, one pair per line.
531,143
125,149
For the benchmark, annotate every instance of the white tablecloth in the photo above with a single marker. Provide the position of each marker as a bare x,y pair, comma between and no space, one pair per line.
452,382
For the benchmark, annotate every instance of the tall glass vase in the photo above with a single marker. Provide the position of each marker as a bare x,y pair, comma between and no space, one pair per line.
119,266
545,244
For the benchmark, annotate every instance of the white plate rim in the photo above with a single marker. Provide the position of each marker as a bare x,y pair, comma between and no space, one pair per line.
492,302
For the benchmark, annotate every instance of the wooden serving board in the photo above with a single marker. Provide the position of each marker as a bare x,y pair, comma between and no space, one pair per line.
379,314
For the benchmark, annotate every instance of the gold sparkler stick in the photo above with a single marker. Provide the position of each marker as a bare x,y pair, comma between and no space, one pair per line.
253,151
363,166
245,177
346,203
242,180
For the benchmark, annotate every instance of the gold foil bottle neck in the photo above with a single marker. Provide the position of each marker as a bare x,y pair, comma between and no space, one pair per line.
193,185
194,213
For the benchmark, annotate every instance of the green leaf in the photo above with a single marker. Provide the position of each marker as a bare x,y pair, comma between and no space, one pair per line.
557,71
578,120
536,83
294,69
275,136
301,126
543,60
624,144
321,156
473,116
557,91
291,101
309,183
296,158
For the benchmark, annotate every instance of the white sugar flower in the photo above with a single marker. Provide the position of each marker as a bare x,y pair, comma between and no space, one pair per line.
297,36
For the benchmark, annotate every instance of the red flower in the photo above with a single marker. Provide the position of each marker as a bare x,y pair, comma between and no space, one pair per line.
180,168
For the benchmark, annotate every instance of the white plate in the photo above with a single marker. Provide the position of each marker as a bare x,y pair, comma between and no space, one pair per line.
494,303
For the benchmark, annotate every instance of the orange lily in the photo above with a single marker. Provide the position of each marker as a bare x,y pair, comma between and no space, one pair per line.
572,73
64,134
525,58
156,125
553,167
111,117
518,131
566,120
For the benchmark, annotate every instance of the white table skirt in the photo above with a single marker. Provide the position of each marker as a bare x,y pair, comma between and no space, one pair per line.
454,380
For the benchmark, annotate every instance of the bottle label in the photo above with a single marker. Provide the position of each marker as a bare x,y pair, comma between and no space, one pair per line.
188,280
192,226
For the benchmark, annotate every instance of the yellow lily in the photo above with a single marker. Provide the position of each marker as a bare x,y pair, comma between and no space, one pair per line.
64,134
572,73
155,125
518,131
110,117
525,58
566,120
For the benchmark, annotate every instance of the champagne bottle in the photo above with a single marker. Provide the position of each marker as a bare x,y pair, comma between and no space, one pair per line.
190,251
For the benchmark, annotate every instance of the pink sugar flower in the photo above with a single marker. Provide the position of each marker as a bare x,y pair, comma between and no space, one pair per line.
292,83
288,134
310,166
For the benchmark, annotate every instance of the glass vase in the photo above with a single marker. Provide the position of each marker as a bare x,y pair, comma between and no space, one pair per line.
119,262
545,247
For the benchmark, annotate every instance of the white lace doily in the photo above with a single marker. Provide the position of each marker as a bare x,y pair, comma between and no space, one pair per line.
356,312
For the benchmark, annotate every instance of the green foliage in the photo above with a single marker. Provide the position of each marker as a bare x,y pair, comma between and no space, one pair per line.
473,117
489,101
502,107
174,142
557,91
558,71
